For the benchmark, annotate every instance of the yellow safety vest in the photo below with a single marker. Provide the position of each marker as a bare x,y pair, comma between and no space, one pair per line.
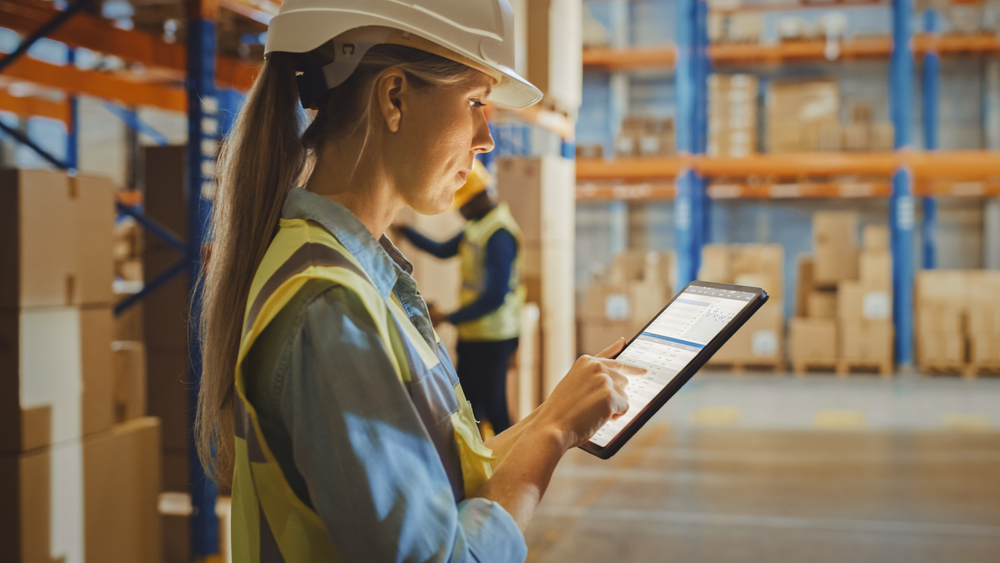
269,521
505,322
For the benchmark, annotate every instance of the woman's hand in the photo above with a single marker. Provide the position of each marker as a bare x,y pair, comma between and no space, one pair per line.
591,394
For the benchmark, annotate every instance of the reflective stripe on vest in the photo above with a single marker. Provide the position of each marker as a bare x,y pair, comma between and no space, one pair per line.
269,522
504,322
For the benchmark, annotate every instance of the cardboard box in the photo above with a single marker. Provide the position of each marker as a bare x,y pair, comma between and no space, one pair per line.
875,238
822,304
130,380
167,395
166,310
856,302
606,302
554,51
759,340
128,325
942,348
89,500
882,137
596,335
867,341
831,137
856,136
984,322
984,350
812,340
835,228
541,193
55,239
165,196
941,319
875,271
646,299
57,384
804,284
715,264
835,247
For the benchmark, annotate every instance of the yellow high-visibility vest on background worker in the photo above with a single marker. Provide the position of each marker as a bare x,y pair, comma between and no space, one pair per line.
269,521
503,323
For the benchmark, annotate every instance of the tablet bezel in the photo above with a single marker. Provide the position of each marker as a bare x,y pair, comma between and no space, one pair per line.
760,297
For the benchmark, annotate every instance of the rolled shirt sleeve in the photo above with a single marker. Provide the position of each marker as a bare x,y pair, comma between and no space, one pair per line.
372,472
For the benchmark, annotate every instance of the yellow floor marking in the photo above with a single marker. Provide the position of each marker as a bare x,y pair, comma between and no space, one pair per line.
966,422
716,416
839,420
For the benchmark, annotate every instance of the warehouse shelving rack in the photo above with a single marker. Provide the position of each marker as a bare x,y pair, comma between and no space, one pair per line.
901,175
183,78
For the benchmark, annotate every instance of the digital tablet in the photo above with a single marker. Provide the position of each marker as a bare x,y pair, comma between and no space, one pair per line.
672,348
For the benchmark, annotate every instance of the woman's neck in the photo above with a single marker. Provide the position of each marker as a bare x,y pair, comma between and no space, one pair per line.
367,193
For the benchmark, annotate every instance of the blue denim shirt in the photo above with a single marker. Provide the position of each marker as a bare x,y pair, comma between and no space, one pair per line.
346,433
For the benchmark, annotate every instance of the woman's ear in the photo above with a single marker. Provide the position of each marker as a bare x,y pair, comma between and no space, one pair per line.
390,88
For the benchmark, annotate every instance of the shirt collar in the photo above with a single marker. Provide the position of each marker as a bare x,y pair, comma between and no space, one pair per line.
379,258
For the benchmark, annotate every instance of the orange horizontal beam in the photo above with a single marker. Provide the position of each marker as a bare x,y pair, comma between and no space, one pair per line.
605,191
99,85
790,51
799,190
35,107
628,168
630,58
940,164
97,34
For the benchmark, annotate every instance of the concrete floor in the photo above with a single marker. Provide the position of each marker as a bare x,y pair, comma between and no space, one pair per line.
789,470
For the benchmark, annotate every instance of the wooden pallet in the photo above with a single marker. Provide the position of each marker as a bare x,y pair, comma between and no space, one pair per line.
848,367
756,366
966,371
801,367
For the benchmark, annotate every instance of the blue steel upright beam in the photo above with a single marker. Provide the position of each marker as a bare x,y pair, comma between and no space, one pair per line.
901,204
931,90
688,203
203,138
73,127
703,68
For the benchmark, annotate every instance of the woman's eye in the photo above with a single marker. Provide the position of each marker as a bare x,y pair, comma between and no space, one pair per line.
476,104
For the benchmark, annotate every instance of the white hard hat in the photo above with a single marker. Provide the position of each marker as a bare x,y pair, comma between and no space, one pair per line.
478,33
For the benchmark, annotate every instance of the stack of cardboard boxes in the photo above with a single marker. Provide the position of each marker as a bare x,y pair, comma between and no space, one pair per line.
624,298
541,193
732,115
796,113
645,137
128,250
958,320
737,27
165,332
760,341
844,298
861,132
74,485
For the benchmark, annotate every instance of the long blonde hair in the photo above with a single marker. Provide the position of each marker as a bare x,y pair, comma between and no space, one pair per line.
266,155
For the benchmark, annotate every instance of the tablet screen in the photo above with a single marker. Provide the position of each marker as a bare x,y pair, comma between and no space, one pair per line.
669,343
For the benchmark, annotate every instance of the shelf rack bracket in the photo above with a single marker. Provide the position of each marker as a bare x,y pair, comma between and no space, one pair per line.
41,32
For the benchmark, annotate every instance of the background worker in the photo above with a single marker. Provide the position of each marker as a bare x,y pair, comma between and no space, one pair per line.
327,403
489,320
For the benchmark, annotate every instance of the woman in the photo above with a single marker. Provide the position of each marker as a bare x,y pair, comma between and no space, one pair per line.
353,440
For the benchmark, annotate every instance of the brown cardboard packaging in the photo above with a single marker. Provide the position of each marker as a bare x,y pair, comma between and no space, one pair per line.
875,270
882,137
856,136
94,500
867,341
165,196
540,213
875,238
940,285
765,260
167,394
128,325
130,380
646,299
759,340
804,284
984,321
835,247
56,384
715,264
822,304
941,318
831,137
595,335
165,311
55,239
812,340
605,302
857,302
984,350
942,348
